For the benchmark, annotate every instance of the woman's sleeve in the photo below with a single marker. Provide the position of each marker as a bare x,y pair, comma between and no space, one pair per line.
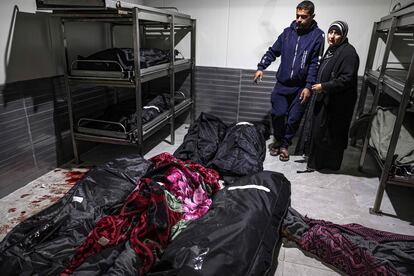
345,75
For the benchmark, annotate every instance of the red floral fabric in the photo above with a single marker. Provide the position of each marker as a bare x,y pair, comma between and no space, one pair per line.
145,218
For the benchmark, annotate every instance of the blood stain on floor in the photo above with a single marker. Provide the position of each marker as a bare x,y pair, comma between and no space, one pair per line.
73,176
4,229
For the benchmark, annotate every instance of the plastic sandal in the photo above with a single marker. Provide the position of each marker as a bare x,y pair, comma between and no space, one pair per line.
274,151
283,154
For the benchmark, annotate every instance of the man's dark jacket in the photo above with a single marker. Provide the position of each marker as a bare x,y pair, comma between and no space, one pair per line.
299,51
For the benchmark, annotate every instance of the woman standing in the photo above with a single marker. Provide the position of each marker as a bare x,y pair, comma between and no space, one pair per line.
336,94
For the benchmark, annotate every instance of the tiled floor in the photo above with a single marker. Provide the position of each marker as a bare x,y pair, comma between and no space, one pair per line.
35,196
343,197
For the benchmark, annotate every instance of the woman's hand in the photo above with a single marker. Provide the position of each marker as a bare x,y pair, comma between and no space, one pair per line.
317,88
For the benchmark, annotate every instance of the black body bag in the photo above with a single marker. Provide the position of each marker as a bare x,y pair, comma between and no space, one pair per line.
45,243
239,235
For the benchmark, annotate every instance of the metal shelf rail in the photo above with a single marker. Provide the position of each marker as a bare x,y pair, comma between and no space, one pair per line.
144,19
396,83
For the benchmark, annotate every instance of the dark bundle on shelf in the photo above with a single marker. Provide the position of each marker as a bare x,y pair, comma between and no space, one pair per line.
122,59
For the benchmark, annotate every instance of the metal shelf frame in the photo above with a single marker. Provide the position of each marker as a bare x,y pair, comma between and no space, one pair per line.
98,135
384,82
141,18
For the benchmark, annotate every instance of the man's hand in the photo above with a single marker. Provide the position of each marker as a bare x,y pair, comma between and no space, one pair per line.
258,76
304,95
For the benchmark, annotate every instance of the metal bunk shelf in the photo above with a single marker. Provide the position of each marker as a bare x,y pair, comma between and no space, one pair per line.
115,78
107,10
397,83
392,179
393,82
171,26
127,137
405,18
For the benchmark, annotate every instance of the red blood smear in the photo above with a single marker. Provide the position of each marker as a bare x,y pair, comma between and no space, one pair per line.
55,198
22,217
73,177
4,228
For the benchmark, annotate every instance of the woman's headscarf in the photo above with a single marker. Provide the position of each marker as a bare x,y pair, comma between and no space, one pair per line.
341,27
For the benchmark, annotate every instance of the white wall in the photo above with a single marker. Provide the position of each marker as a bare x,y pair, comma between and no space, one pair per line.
230,33
7,30
30,46
236,33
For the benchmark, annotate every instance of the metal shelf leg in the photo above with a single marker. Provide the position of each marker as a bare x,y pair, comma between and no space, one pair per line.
394,137
172,79
378,89
138,88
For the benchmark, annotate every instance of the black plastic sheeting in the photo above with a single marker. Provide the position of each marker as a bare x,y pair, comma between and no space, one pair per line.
125,113
202,139
234,151
115,260
239,235
158,105
124,58
45,243
242,151
162,104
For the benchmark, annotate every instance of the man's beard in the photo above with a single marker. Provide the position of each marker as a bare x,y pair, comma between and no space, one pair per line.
301,27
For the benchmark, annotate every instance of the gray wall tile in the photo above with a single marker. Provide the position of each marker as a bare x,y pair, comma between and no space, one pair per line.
34,123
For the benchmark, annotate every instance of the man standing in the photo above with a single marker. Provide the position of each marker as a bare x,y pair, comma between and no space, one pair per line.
299,47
